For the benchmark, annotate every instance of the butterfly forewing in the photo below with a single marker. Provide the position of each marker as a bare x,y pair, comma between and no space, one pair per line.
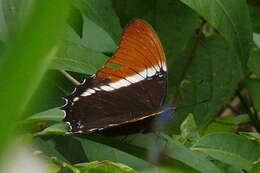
129,88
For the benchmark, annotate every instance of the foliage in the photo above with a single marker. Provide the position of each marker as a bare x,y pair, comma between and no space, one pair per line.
213,54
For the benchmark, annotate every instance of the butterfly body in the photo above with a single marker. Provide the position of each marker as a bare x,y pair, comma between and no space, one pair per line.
124,99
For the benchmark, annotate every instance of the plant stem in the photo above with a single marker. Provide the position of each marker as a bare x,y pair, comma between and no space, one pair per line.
70,78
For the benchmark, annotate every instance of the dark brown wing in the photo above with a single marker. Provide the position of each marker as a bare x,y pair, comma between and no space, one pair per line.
128,93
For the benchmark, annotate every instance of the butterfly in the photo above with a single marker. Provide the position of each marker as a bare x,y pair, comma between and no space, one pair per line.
127,94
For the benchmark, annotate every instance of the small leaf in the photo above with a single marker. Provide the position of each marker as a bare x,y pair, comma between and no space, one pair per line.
54,115
221,124
189,130
251,136
102,14
56,129
105,167
229,148
256,38
241,119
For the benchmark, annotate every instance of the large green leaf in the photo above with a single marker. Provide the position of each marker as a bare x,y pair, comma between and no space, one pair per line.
96,38
223,15
174,150
15,13
77,55
101,13
212,74
229,148
97,151
26,60
139,148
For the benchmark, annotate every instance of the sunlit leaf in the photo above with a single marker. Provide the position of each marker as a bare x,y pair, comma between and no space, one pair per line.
105,167
229,148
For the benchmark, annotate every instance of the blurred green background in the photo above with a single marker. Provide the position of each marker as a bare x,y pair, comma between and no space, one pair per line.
213,54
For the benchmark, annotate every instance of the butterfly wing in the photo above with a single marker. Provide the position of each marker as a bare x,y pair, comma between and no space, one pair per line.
128,88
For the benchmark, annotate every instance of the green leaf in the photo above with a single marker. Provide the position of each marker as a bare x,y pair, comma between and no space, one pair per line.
211,76
229,148
15,13
53,115
102,14
225,168
223,15
97,151
26,60
174,150
96,38
139,149
189,129
257,39
251,136
256,167
105,167
56,129
162,169
48,148
77,58
253,86
194,159
241,119
221,124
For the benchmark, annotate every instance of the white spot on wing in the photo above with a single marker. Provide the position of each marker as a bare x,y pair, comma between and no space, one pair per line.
143,73
75,99
107,88
120,83
91,91
164,66
85,94
150,71
91,130
88,92
135,78
97,89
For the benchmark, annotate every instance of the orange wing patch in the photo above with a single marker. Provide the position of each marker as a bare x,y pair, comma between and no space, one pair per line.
139,50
